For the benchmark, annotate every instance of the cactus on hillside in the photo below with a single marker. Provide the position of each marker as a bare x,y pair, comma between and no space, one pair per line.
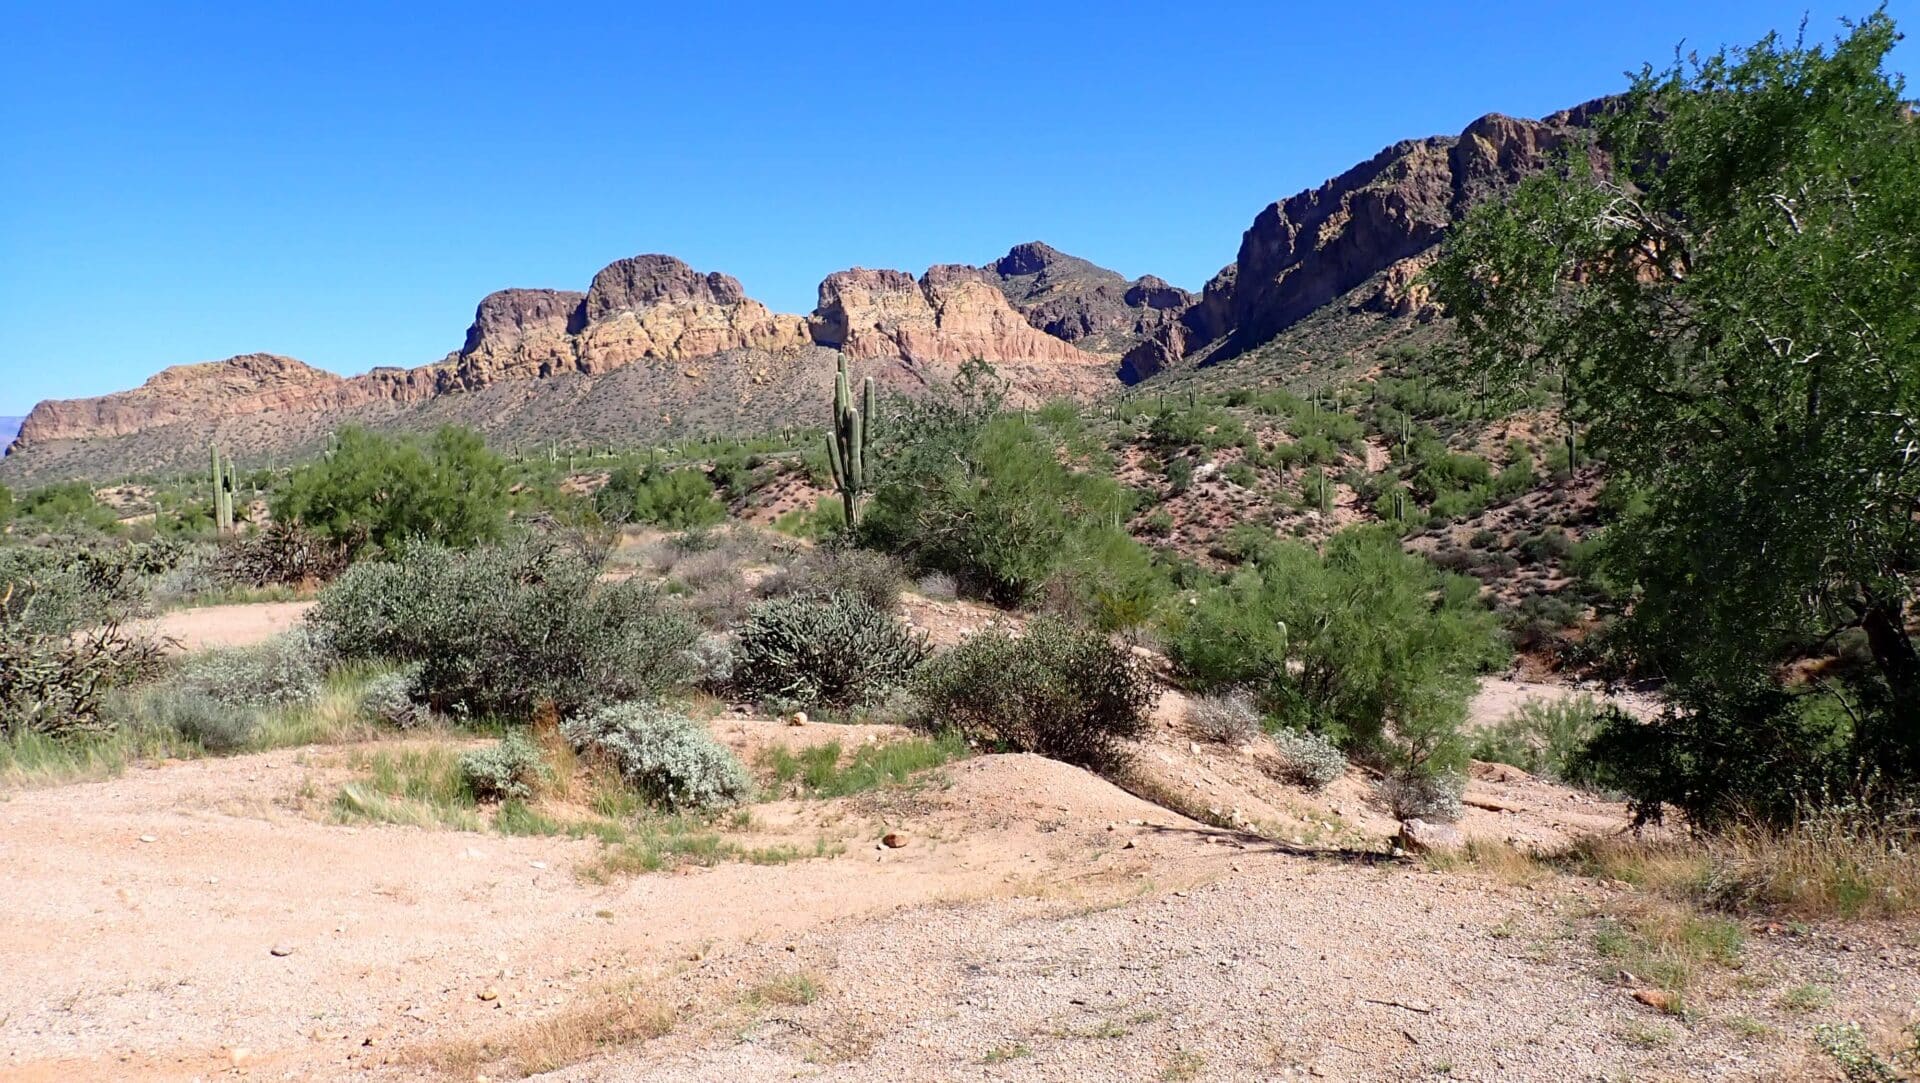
223,486
847,441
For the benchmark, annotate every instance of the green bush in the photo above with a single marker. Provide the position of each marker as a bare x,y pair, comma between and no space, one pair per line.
838,653
449,490
506,770
674,499
994,506
1544,737
1366,644
502,629
389,697
62,644
1059,691
670,759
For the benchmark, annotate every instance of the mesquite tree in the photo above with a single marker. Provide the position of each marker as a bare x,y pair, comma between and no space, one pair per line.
1728,278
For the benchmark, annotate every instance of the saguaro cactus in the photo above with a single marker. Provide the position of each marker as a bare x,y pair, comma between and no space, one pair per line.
847,441
223,486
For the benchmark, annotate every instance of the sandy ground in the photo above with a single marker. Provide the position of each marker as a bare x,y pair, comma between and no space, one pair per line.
224,625
1039,923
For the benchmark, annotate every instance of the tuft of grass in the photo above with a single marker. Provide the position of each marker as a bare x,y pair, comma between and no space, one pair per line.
421,787
793,990
1669,945
1183,1065
657,842
1000,1054
33,760
1809,997
826,771
616,1019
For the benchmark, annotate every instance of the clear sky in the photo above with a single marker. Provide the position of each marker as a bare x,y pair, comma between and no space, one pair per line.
342,182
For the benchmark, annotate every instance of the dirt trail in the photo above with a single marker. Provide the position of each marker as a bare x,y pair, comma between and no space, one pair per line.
224,625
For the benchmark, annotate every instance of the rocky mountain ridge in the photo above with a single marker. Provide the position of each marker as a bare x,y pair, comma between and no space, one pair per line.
1053,324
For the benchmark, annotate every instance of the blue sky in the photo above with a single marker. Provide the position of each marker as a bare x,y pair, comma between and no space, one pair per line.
342,182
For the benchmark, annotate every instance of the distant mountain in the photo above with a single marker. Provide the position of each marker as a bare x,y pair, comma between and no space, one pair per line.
654,350
9,428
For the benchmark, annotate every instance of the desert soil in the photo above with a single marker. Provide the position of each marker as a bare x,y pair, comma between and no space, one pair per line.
211,918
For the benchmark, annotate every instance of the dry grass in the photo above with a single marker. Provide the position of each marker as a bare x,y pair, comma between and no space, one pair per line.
614,1019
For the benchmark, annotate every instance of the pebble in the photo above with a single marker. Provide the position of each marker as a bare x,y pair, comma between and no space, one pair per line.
280,950
489,993
148,838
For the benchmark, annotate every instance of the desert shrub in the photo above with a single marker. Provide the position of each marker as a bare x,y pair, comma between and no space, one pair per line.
389,697
283,552
504,628
1435,798
448,489
938,586
1543,737
994,506
285,669
1364,643
214,724
675,499
1060,691
669,758
1206,426
505,770
62,646
827,572
1307,759
838,653
6,504
712,660
1229,718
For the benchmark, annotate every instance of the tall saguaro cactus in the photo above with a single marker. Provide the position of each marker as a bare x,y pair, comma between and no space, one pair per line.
847,440
223,486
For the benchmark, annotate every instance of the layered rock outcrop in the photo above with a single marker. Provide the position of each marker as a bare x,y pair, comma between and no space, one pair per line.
1314,246
934,324
1080,302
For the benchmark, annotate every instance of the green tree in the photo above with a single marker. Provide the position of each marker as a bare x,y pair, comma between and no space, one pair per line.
1726,282
675,499
448,489
1366,643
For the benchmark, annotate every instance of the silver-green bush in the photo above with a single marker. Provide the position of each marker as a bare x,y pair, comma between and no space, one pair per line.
285,669
840,653
502,629
1435,798
1308,759
666,756
508,769
215,725
389,697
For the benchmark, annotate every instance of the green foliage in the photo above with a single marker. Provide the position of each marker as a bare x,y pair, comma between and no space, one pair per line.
1059,691
502,629
991,503
215,725
449,490
674,499
508,769
1365,643
389,698
62,646
1739,344
812,653
1544,737
1196,426
6,505
825,770
670,759
66,505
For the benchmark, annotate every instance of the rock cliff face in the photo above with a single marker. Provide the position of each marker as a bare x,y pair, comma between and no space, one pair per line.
932,326
1080,302
1379,217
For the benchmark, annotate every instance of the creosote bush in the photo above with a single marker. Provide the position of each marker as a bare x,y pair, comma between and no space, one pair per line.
1058,690
508,769
502,629
840,653
669,758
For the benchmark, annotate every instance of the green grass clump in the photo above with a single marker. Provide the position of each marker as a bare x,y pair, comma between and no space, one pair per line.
819,771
